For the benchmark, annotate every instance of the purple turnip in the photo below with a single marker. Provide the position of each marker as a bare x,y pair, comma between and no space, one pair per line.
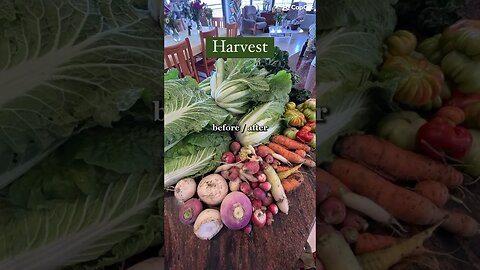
259,194
185,189
251,167
208,224
189,211
228,157
235,147
212,189
236,210
332,210
259,218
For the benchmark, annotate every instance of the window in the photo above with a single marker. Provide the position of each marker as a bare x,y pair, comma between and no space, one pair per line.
257,3
216,7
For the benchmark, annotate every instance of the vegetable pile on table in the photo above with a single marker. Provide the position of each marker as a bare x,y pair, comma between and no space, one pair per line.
239,174
399,152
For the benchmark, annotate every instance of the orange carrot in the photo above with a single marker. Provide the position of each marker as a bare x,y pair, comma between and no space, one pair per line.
386,157
289,155
368,242
292,182
289,143
435,191
400,202
335,185
281,168
309,163
301,152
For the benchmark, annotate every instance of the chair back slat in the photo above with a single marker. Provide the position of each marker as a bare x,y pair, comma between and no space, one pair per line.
180,56
232,29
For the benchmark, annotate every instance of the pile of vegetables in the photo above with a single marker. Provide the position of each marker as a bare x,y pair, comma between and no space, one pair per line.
399,151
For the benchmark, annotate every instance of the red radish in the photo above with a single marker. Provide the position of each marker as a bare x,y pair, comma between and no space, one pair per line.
248,229
333,211
189,211
259,218
262,166
245,188
185,189
236,210
257,204
262,152
350,234
265,186
234,185
322,191
273,208
269,220
254,185
251,167
268,199
261,177
354,220
228,157
258,193
233,174
235,147
269,159
238,159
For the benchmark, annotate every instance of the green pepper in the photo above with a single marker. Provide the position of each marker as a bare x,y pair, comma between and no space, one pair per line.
290,132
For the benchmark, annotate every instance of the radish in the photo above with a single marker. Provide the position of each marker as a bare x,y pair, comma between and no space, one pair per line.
247,176
225,174
238,159
261,177
257,204
234,185
251,167
259,218
269,219
228,157
189,211
332,210
263,152
235,147
268,200
236,210
254,185
265,186
269,159
185,189
322,191
259,194
245,188
231,174
208,224
354,220
273,208
350,234
248,229
212,189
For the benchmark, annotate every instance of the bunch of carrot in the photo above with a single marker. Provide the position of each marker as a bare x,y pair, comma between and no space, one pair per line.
366,177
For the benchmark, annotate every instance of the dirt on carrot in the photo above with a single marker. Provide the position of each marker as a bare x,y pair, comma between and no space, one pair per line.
289,155
292,182
289,143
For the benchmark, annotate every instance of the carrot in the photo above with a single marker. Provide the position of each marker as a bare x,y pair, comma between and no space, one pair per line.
290,171
281,168
385,258
435,191
292,182
309,163
289,155
382,155
301,152
400,202
367,242
289,143
360,203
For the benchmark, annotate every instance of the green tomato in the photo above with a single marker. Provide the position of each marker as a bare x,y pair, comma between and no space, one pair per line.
464,71
431,49
400,128
472,159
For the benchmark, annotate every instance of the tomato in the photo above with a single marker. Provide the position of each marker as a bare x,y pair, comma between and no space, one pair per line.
438,138
430,47
401,43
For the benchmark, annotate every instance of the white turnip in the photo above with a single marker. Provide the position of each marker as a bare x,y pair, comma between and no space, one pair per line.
189,211
208,224
212,189
236,210
185,189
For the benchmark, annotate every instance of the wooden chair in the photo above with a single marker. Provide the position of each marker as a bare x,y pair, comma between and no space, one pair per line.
232,29
180,26
206,65
180,56
218,22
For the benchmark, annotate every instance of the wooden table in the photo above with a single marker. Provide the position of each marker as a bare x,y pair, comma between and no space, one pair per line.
276,247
